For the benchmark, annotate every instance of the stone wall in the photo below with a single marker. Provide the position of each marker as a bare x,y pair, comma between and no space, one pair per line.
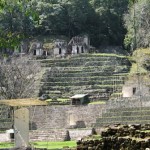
125,111
129,102
5,137
48,135
58,134
60,117
52,135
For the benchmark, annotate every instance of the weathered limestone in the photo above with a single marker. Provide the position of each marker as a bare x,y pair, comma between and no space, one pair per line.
59,134
119,137
21,127
61,117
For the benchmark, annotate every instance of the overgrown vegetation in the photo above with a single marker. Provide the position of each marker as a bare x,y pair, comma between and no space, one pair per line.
102,20
140,61
137,22
105,21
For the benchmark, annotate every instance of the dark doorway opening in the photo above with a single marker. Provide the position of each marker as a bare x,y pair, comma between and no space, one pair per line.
44,53
82,51
34,53
60,51
134,90
77,50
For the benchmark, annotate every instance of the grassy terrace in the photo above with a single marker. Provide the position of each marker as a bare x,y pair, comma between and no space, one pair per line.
97,102
84,58
81,78
122,122
85,72
129,109
125,116
129,113
81,63
81,74
78,83
86,86
88,69
95,55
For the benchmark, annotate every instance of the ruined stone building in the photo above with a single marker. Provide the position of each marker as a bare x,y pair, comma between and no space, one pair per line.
79,44
60,48
37,49
56,48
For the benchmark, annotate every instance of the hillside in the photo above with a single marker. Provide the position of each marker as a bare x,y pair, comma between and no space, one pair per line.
100,75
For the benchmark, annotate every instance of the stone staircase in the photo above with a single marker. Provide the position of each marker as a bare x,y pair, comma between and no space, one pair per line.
58,134
48,135
100,75
134,110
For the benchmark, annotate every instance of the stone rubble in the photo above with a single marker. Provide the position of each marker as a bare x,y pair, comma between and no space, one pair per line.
120,137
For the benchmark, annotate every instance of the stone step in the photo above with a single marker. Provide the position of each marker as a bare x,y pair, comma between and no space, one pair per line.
85,58
78,83
59,134
47,135
77,63
85,62
123,118
101,124
87,69
86,87
128,109
82,73
93,78
126,113
73,64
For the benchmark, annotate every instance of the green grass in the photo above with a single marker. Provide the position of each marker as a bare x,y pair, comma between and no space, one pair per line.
59,99
146,131
97,102
54,145
135,68
49,145
116,94
6,145
108,54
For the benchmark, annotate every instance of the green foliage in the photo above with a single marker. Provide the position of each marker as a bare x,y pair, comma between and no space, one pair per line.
111,30
137,23
15,22
100,19
140,63
97,102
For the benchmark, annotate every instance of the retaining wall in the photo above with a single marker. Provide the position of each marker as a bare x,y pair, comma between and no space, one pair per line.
60,117
52,135
129,102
